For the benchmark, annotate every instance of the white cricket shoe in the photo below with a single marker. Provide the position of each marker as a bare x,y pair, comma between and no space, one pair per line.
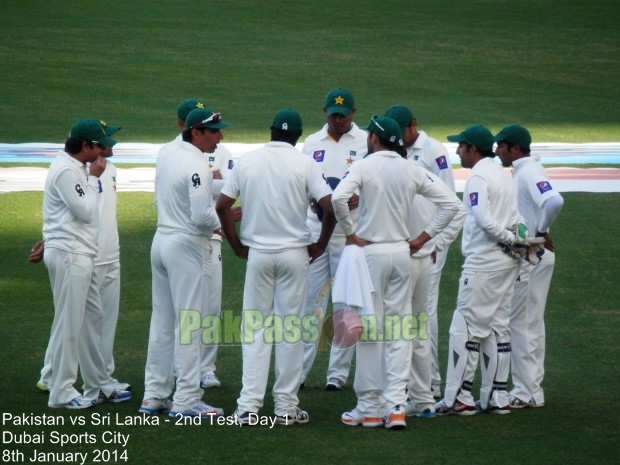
209,381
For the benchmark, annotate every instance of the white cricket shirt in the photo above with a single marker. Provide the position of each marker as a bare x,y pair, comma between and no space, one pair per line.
533,189
275,183
490,198
387,184
70,215
335,158
183,186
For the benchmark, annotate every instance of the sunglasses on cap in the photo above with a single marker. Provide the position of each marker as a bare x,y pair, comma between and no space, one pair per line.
373,120
214,118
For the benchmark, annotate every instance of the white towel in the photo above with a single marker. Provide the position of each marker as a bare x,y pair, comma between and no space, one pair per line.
353,287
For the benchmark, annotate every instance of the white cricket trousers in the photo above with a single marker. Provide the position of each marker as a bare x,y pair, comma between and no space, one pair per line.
434,279
108,281
319,273
98,329
383,367
213,306
70,278
527,325
273,298
483,305
180,282
419,386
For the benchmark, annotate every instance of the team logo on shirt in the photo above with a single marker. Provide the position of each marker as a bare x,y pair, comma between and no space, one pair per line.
318,155
231,164
352,153
195,180
543,186
79,190
211,159
473,199
442,163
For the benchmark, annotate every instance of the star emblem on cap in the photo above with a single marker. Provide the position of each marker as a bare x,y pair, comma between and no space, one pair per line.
339,100
200,105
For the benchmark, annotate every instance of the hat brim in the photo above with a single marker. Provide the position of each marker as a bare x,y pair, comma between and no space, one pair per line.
109,130
106,140
456,138
338,110
218,125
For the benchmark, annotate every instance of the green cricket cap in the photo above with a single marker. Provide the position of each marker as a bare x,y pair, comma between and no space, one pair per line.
339,101
515,134
204,118
287,120
92,130
401,114
476,135
387,129
109,129
188,105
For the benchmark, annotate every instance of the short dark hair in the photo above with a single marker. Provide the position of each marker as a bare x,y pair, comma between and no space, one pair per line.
290,137
483,153
187,133
394,147
73,145
486,153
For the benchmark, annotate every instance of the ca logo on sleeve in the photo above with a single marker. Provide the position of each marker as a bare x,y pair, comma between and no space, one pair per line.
543,186
195,180
79,190
473,199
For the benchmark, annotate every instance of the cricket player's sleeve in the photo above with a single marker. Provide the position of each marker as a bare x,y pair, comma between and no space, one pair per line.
548,213
351,181
81,198
482,212
448,204
441,165
200,185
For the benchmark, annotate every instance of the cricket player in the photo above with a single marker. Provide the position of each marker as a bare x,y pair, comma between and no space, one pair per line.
104,292
430,154
221,164
539,204
275,183
480,321
70,224
334,148
179,257
387,185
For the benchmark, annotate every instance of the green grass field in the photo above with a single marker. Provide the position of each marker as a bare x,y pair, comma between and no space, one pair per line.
576,425
550,65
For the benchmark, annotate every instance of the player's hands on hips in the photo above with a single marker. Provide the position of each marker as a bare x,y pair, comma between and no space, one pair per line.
36,253
315,251
97,167
353,239
353,202
236,214
243,252
416,244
